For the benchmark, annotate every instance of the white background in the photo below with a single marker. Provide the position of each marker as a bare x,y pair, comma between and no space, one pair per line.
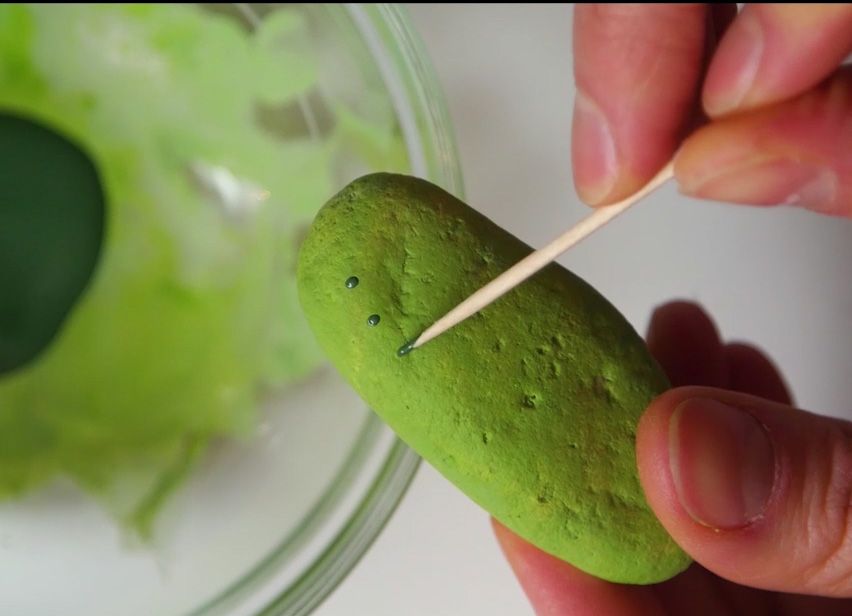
781,279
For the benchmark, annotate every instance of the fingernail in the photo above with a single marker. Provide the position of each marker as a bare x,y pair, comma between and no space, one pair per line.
818,194
736,67
775,181
722,463
593,151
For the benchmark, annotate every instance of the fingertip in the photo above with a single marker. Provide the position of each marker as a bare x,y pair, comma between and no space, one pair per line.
673,499
749,488
604,171
652,453
734,67
637,70
593,153
690,165
773,52
688,446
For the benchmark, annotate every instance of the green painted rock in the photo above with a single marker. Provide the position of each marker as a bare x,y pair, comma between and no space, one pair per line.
529,407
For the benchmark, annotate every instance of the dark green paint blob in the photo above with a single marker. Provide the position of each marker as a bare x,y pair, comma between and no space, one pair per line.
373,320
351,282
405,349
51,231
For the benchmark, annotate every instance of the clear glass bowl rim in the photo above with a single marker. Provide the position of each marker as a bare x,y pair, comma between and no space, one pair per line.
412,83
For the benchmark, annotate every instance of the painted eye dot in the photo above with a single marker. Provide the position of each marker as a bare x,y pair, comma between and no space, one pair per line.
373,320
351,282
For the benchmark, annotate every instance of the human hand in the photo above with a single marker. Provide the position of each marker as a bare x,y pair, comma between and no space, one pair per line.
778,101
757,492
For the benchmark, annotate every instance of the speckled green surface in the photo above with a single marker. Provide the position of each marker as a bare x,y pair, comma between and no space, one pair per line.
529,407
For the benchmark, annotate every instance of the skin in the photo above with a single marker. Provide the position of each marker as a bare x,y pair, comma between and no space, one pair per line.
773,111
709,586
775,107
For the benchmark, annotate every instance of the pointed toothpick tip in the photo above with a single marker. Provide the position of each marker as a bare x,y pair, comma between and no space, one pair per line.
405,349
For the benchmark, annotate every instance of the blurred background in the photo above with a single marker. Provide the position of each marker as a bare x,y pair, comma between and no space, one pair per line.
781,279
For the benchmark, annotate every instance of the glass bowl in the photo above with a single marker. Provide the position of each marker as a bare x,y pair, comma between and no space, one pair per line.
270,522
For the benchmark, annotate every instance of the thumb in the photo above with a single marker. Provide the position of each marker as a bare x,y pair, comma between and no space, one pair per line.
755,491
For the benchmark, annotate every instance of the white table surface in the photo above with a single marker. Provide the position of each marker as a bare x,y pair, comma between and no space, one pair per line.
781,279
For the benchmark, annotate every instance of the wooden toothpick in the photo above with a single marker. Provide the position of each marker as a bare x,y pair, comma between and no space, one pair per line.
528,266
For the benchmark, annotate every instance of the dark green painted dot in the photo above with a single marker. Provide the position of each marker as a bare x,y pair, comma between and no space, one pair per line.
51,230
351,282
405,349
373,320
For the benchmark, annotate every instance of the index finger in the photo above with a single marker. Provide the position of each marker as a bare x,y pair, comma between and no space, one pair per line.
637,69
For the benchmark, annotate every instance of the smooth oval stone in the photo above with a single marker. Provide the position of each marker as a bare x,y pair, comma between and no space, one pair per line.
529,407
51,230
